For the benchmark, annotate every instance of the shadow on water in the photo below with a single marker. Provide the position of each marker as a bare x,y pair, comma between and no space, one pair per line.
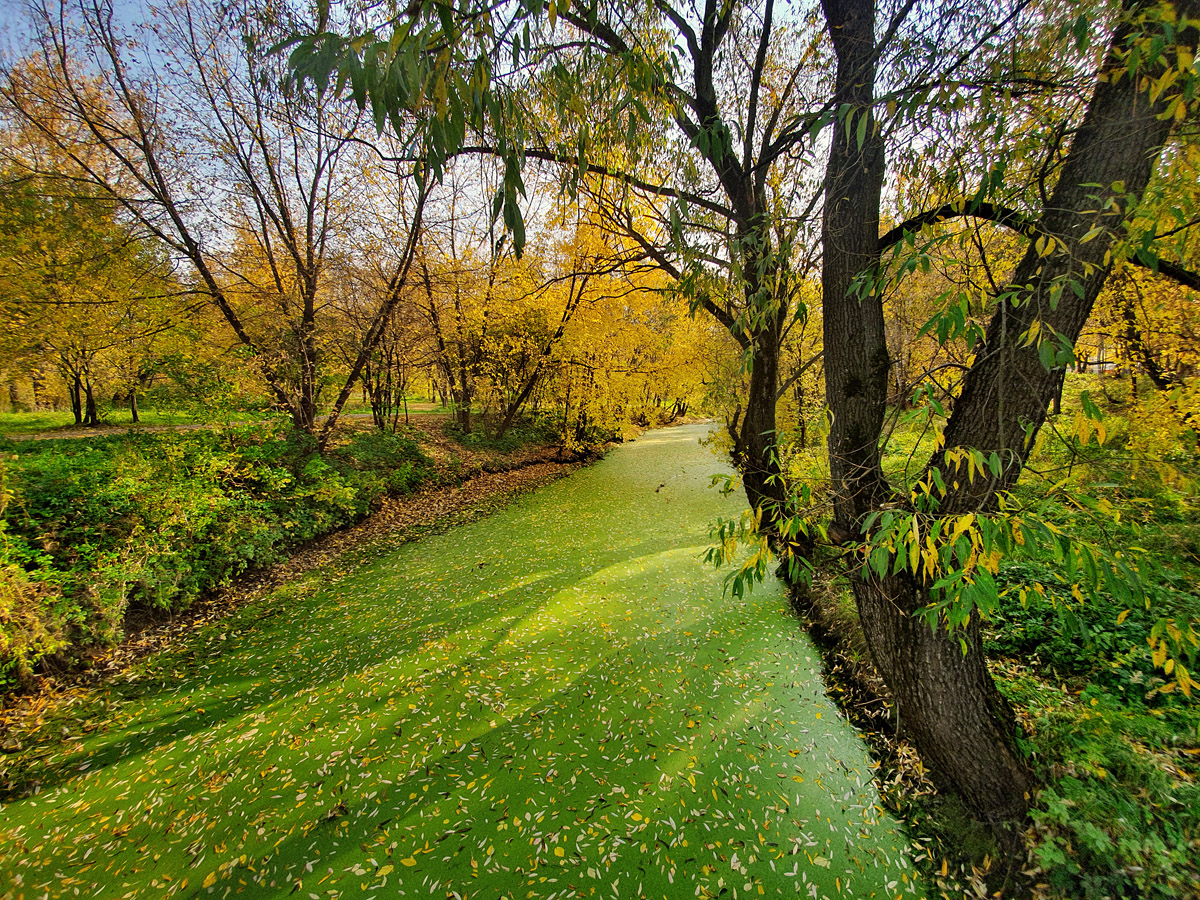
555,701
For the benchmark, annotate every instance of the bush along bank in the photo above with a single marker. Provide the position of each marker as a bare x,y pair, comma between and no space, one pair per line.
90,530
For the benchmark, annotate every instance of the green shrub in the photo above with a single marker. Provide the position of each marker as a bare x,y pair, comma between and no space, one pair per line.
1099,640
1119,813
154,520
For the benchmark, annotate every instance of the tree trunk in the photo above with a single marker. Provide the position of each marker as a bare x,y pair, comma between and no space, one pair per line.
945,698
462,407
37,382
133,407
948,704
755,452
1135,341
91,418
1006,394
76,394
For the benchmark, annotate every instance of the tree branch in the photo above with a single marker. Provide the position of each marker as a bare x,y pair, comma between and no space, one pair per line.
1016,221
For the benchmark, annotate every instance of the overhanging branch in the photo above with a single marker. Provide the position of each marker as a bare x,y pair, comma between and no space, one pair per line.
1016,221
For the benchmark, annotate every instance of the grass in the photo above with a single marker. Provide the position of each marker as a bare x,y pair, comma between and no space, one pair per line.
49,421
518,435
46,421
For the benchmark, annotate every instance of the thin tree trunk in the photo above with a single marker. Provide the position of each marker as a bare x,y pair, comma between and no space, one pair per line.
76,394
91,418
1135,340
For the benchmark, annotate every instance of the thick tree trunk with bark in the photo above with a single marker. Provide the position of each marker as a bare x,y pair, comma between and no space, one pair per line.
755,453
1005,395
946,698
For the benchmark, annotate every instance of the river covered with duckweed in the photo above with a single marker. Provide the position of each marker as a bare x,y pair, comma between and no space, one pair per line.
554,701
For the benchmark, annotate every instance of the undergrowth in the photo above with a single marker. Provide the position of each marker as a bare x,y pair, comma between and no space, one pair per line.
1114,744
91,529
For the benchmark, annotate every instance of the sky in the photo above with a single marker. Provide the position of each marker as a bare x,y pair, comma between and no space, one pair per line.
11,15
14,40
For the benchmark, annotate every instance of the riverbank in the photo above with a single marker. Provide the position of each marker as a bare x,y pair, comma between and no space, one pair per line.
398,520
104,538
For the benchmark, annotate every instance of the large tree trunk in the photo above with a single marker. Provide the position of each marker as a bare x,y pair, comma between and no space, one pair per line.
948,704
1005,395
755,453
946,698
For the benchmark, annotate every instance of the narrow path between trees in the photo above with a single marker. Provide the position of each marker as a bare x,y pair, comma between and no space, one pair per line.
552,701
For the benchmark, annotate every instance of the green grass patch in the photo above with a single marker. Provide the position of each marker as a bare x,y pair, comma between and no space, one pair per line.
48,421
520,434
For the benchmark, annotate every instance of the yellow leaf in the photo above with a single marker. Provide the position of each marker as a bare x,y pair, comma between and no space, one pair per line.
962,524
210,879
408,862
385,870
560,852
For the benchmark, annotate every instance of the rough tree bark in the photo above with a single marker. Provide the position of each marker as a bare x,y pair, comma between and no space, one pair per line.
946,698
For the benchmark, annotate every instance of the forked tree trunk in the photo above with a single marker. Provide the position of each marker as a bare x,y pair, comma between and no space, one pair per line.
946,698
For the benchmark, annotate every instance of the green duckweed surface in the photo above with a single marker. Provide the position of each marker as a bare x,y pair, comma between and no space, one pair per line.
554,701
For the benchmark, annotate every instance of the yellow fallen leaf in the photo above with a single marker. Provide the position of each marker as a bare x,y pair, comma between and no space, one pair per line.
559,851
385,870
408,862
210,879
